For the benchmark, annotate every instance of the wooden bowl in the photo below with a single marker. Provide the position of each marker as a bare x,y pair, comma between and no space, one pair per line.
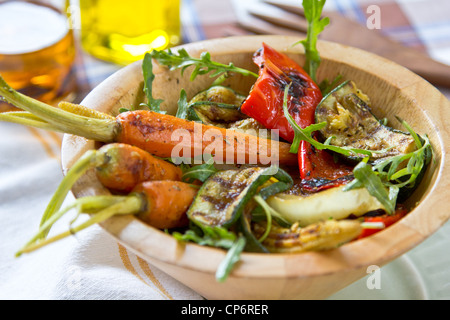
393,90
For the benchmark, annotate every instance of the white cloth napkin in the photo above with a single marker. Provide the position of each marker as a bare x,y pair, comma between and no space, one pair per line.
89,265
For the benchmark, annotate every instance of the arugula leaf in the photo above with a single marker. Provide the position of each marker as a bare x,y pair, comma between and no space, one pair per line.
216,236
201,172
393,170
182,110
232,257
306,134
219,237
147,69
371,181
326,86
316,24
203,65
269,214
385,178
123,110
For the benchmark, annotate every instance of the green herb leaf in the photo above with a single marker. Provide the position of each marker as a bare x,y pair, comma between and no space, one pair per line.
202,65
147,69
269,213
384,179
201,172
364,173
326,86
393,171
316,24
183,105
214,236
232,257
121,110
219,237
306,135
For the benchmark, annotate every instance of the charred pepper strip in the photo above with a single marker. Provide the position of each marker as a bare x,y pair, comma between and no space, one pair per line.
318,170
265,102
374,224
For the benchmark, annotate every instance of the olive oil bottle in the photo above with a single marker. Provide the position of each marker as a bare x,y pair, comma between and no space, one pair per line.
123,31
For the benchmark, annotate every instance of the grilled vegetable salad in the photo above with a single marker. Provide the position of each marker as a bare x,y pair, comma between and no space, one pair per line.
345,173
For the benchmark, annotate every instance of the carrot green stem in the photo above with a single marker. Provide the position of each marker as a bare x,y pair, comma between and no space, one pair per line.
55,119
86,204
101,208
27,119
77,170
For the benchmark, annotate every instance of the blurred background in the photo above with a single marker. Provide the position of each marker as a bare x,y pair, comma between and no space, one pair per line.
51,56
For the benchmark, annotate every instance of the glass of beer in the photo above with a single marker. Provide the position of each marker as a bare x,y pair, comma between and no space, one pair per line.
123,31
37,49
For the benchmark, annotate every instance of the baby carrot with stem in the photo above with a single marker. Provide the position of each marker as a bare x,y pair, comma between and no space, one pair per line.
119,167
150,131
161,204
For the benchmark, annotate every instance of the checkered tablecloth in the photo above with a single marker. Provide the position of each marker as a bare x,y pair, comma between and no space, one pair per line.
91,265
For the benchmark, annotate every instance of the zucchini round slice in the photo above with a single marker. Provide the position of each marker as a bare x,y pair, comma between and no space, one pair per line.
222,199
214,113
216,106
333,203
220,106
351,123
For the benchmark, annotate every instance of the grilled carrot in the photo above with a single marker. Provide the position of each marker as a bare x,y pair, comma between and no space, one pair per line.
159,134
168,136
119,167
161,204
166,203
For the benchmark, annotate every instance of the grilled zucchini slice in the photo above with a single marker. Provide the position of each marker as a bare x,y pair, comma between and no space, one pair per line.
224,196
217,106
351,123
334,203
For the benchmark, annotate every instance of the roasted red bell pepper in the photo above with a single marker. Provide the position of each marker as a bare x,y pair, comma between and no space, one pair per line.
265,102
318,170
385,219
